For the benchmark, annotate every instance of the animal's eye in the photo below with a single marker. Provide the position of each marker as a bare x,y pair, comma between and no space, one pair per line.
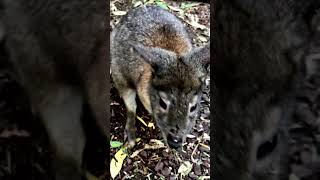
193,108
163,104
267,147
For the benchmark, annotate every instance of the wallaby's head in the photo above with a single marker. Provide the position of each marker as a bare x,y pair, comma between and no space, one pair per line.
175,90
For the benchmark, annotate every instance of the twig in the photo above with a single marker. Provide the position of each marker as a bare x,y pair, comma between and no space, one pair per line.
193,152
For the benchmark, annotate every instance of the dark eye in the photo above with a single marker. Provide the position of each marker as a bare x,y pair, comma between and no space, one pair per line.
163,104
193,108
267,147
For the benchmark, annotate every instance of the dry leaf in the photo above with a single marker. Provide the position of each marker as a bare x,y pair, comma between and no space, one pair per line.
185,168
204,177
194,22
205,146
151,125
134,154
156,142
175,8
139,3
119,13
117,161
202,38
196,25
113,7
206,136
188,5
191,136
142,121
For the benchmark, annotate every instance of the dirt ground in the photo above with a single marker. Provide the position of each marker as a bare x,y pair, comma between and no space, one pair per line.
163,163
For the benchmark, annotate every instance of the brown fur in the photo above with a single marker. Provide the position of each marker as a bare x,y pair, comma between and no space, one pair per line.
171,41
143,86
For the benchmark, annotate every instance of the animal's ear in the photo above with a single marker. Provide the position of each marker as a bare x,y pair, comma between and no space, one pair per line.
200,59
159,59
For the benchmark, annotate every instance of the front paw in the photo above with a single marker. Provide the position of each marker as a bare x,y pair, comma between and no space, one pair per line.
130,135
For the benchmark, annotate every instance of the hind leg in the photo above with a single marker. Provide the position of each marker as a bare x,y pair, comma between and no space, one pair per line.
60,111
129,97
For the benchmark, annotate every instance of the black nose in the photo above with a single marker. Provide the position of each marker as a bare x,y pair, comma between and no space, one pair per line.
174,142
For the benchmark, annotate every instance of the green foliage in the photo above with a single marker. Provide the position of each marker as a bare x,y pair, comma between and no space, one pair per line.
115,144
187,5
162,4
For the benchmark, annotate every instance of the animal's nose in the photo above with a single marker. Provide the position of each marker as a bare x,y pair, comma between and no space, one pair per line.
174,142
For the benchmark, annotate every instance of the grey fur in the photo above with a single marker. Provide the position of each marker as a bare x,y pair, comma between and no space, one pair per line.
152,55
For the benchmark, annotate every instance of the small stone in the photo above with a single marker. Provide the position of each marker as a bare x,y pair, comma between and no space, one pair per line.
305,114
197,169
166,171
306,156
159,166
203,149
205,98
205,164
166,163
144,154
164,153
206,136
206,110
172,163
199,128
129,161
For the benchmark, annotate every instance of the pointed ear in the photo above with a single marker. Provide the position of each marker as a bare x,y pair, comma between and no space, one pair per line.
200,59
159,59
